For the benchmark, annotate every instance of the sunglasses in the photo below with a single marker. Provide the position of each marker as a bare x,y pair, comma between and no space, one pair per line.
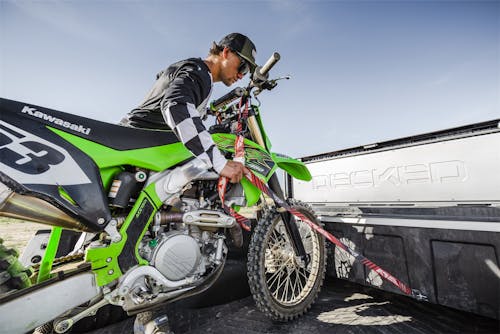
244,68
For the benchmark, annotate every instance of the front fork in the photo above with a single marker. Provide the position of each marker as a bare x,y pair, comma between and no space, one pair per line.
290,223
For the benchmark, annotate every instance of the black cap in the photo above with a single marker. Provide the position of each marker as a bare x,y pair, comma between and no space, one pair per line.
242,45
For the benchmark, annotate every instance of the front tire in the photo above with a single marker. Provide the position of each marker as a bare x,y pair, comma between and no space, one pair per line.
282,287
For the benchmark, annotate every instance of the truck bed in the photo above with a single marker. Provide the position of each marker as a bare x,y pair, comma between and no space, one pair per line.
425,208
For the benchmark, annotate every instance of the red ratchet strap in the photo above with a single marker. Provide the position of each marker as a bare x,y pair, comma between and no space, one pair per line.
221,188
244,222
386,275
240,157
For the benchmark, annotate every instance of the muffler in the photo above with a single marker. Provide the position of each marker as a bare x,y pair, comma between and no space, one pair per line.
33,209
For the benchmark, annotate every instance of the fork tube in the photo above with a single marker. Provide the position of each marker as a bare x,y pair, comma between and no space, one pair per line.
255,131
289,221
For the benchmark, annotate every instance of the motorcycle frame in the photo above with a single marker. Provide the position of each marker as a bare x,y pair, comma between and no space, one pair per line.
109,263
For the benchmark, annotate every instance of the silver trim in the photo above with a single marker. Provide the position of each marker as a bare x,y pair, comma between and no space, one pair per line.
418,223
5,192
25,313
208,218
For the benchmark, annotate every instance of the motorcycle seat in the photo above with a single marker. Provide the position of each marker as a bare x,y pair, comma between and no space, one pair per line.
121,137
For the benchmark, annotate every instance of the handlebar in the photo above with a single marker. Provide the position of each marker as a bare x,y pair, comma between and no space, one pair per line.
259,80
228,98
275,57
261,73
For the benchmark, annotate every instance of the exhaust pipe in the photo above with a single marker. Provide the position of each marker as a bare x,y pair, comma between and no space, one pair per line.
33,209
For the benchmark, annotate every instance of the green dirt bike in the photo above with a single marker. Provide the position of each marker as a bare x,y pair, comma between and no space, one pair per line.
155,227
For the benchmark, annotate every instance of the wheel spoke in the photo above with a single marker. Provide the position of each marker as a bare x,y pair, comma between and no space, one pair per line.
275,279
301,285
303,275
285,290
295,283
278,271
294,286
287,280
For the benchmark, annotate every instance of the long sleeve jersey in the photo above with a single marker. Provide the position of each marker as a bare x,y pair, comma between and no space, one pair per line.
178,96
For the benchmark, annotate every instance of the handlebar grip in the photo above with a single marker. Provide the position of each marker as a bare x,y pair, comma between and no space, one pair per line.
269,64
229,97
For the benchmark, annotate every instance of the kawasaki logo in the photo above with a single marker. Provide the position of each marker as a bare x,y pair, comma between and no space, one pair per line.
75,127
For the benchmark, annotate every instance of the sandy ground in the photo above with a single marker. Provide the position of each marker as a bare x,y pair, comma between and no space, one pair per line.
17,233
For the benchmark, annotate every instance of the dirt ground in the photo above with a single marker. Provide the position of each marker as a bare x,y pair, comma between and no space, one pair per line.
17,233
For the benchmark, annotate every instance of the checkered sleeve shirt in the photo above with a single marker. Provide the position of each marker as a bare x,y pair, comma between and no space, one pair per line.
189,90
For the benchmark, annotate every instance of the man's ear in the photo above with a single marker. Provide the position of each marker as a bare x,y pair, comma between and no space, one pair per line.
225,52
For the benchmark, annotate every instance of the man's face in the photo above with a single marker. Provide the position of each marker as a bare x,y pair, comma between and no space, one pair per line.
232,67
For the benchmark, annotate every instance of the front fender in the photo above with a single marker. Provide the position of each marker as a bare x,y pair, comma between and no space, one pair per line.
294,167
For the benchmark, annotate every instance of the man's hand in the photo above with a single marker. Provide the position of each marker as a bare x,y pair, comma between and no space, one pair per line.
233,171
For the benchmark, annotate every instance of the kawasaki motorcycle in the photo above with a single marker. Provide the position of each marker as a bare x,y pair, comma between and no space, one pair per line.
156,226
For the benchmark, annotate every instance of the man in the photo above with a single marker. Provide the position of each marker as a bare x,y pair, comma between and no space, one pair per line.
178,97
181,93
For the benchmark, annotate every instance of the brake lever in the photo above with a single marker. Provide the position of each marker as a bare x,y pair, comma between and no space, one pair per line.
269,84
286,77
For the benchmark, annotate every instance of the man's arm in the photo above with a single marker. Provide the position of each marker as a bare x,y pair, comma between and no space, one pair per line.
184,93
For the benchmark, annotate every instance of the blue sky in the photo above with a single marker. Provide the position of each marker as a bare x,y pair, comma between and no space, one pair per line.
362,71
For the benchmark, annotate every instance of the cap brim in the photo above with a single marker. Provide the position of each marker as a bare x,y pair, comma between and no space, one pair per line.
252,65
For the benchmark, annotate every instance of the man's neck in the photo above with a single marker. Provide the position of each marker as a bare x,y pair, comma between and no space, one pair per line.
213,65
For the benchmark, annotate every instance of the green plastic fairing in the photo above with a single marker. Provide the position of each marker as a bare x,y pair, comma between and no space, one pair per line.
262,163
294,167
256,158
156,158
104,260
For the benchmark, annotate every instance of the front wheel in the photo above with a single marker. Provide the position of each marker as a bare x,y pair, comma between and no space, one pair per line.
282,286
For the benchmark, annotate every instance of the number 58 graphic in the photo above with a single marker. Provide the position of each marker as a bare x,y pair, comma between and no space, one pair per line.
29,156
29,159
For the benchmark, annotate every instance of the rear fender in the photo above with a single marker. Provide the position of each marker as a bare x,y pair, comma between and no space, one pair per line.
36,162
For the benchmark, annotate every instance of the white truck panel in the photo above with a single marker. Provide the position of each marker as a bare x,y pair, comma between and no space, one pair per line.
464,170
425,207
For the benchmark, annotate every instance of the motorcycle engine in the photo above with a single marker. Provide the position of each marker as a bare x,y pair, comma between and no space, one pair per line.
177,256
185,243
181,251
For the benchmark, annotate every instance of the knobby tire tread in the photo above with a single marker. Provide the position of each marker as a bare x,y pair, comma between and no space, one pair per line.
256,269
